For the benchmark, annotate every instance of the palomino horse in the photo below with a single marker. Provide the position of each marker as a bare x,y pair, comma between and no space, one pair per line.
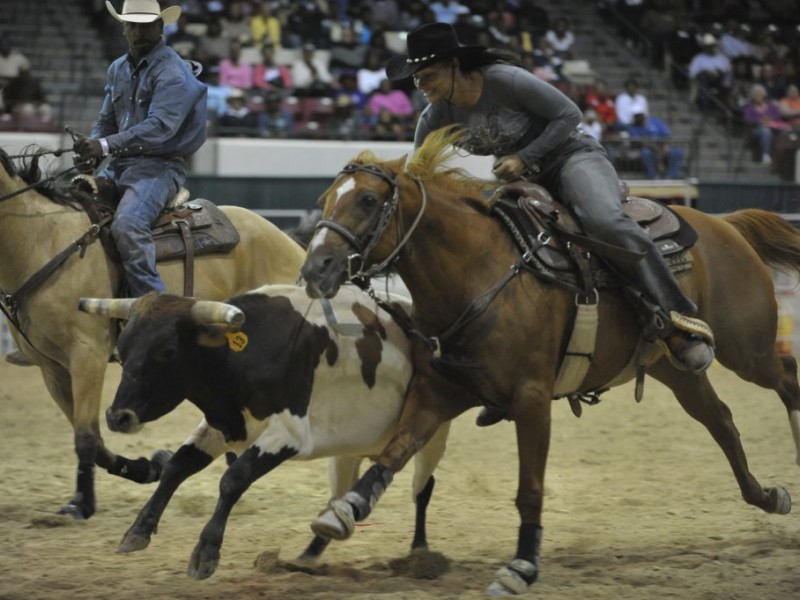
432,225
72,348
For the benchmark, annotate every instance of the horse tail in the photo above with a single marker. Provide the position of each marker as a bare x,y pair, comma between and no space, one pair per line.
773,238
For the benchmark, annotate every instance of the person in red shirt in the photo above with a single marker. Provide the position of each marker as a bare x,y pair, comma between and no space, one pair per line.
601,100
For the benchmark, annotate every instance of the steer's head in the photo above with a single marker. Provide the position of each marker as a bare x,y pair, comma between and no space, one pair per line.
159,348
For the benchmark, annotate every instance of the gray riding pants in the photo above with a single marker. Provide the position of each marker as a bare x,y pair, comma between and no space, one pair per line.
588,184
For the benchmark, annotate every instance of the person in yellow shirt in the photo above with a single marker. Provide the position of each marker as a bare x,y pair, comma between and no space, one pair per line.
265,25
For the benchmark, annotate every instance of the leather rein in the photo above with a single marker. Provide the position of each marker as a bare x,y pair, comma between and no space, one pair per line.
364,245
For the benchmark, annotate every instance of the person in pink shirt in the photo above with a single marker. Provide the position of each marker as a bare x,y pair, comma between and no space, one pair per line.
268,75
233,72
396,102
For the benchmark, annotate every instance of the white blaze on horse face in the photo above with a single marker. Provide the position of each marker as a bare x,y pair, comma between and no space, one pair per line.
319,238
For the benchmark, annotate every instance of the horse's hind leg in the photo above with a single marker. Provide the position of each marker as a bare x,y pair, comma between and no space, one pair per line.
698,398
789,392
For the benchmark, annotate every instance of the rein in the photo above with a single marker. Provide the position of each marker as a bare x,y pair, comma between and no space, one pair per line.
362,278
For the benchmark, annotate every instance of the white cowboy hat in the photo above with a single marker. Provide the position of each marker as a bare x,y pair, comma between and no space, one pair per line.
144,11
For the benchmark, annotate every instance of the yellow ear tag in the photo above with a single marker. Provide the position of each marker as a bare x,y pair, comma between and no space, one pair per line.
237,340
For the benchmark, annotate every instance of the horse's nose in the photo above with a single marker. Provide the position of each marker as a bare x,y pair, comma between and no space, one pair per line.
122,421
314,271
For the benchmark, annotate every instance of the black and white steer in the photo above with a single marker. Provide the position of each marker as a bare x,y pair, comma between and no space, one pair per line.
277,376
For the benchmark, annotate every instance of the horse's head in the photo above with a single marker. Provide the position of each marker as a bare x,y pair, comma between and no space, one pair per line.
355,231
371,211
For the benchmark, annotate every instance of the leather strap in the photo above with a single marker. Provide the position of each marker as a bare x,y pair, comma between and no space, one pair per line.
188,261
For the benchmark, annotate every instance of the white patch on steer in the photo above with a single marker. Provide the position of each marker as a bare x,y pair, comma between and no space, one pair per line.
319,238
207,439
284,430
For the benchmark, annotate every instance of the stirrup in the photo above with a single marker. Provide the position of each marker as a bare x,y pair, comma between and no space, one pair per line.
693,326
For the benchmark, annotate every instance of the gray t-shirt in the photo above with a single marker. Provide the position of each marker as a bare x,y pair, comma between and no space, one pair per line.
517,113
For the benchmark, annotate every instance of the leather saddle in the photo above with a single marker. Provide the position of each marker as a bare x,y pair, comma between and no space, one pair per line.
560,250
184,229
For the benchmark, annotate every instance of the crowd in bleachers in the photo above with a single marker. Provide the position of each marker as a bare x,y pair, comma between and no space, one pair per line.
315,68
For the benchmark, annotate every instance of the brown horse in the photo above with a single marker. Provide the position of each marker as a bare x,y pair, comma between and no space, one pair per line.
71,348
432,225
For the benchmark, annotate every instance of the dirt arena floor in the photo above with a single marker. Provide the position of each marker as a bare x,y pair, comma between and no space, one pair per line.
640,504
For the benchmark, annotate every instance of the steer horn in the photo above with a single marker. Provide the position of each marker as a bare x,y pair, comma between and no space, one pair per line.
116,308
207,312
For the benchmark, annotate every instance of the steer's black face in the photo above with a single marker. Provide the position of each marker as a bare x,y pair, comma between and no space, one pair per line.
157,358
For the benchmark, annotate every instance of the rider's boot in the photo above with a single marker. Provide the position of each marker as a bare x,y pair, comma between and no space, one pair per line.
689,343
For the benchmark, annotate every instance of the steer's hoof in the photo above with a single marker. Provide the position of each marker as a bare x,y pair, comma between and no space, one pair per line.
336,522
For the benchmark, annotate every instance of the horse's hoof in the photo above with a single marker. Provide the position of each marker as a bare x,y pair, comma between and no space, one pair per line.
203,562
509,580
783,503
76,511
133,542
337,522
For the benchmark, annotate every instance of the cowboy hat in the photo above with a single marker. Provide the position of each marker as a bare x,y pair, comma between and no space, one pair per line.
428,44
144,11
709,40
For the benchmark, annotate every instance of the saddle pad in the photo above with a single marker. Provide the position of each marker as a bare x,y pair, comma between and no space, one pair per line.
211,231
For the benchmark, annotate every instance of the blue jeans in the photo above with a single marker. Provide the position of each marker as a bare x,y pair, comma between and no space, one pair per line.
674,159
146,185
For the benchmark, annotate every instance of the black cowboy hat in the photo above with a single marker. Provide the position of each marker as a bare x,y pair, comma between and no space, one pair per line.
428,44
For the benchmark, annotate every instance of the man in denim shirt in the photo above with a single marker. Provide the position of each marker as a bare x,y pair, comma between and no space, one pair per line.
153,118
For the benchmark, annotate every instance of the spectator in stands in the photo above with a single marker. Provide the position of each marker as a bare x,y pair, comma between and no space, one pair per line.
235,23
388,127
217,95
371,74
682,46
602,101
234,72
215,44
561,39
276,121
499,24
591,124
24,97
651,137
382,14
712,73
348,86
183,41
346,122
789,106
306,24
659,22
346,54
630,102
238,120
310,73
377,44
763,116
447,11
387,98
632,12
732,42
265,25
12,61
268,75
152,119
774,82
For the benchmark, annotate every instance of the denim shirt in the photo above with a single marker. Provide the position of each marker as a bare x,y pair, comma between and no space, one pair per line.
156,108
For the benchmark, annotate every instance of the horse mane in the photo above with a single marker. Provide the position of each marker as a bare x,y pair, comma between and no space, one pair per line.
29,170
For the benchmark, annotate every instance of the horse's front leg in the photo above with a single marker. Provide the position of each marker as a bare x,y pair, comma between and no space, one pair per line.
531,412
430,401
79,399
194,455
252,464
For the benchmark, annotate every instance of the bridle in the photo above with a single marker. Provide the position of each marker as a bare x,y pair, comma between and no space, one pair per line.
365,243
